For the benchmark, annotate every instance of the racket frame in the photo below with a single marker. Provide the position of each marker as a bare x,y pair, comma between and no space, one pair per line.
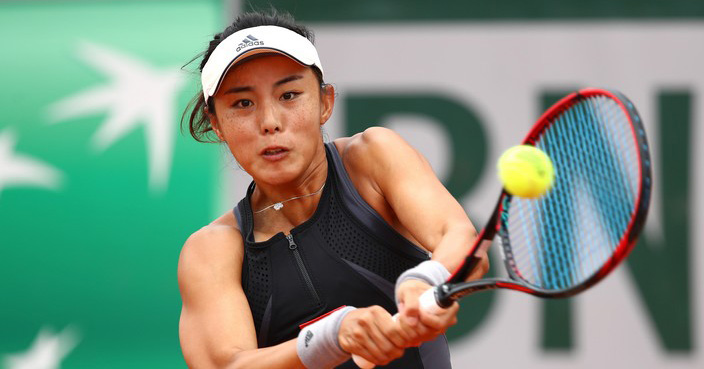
456,287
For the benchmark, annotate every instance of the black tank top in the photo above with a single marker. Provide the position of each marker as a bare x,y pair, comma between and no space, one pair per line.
345,254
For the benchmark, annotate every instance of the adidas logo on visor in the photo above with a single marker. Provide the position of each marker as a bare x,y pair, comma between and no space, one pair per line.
249,41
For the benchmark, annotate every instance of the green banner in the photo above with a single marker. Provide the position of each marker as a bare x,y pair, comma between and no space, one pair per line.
98,187
501,10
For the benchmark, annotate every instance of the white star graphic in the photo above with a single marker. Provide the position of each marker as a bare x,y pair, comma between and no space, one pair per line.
21,170
46,352
137,94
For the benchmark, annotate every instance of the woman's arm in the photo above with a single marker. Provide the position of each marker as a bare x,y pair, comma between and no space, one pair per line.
411,195
216,327
400,184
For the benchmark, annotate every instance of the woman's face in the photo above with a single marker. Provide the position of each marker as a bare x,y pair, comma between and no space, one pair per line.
269,110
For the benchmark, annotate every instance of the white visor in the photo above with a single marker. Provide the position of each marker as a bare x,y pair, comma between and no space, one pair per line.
251,41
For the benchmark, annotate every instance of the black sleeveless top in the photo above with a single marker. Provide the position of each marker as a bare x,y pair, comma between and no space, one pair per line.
345,254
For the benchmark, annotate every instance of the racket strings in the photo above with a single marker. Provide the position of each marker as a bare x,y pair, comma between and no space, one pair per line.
615,175
609,214
561,239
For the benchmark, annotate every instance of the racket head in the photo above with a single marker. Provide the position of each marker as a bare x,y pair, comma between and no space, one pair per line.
588,222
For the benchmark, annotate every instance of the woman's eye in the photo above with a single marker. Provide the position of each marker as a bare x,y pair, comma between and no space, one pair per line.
289,95
243,103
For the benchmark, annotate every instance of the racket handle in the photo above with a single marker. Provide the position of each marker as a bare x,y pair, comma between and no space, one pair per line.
428,303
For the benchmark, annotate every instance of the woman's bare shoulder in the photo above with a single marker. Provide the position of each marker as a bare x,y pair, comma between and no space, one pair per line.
218,243
367,144
363,156
369,152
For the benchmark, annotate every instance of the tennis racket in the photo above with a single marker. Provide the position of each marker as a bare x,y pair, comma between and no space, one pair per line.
576,233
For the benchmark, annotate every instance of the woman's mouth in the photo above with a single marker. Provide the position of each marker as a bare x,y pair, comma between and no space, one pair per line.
274,153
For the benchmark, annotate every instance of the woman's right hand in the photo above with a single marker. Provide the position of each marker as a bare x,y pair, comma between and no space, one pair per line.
372,334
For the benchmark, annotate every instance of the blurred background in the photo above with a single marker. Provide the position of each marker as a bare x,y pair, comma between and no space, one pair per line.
99,188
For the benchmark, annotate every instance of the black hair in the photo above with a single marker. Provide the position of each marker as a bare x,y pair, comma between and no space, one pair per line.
198,109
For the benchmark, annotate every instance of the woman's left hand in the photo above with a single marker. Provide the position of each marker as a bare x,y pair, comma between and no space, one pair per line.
421,326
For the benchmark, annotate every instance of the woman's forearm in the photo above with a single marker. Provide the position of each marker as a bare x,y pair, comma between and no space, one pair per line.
283,355
454,246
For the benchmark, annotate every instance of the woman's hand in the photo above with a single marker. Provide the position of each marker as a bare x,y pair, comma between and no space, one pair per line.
420,325
372,334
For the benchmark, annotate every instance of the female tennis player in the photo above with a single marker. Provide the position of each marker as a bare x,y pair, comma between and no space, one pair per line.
330,239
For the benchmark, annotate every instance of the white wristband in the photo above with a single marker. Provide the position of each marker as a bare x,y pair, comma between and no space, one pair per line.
317,344
429,271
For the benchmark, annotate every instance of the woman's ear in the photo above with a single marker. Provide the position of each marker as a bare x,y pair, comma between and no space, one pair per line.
327,98
214,124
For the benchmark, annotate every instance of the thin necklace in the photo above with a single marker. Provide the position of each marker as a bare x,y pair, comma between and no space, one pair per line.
278,205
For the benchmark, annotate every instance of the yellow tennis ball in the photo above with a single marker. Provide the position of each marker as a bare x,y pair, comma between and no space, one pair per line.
525,171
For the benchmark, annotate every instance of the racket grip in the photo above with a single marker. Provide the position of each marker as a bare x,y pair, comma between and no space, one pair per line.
428,303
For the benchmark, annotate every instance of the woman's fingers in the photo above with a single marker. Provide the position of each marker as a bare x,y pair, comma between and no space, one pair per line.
394,332
408,296
421,325
440,322
372,334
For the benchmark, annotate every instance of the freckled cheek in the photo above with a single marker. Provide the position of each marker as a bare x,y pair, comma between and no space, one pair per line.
233,125
243,150
239,135
306,118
